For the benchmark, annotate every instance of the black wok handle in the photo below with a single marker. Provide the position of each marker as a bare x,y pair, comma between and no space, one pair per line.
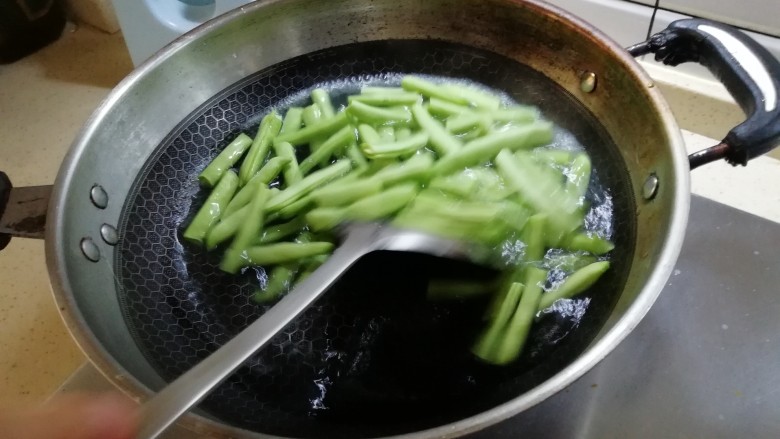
750,73
5,192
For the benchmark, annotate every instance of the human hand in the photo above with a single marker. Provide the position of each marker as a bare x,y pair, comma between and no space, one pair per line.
73,416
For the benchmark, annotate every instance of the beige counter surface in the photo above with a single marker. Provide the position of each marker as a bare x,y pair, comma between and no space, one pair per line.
47,97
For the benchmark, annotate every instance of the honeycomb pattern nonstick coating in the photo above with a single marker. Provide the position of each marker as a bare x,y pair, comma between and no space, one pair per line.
373,357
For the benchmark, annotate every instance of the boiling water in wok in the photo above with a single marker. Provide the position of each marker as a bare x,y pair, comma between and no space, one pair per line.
373,357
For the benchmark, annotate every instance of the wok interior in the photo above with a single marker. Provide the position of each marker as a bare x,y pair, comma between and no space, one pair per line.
373,357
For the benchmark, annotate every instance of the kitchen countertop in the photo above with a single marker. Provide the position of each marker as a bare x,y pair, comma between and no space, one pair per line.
47,97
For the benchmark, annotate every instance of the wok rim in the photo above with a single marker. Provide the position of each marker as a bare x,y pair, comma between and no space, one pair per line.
108,366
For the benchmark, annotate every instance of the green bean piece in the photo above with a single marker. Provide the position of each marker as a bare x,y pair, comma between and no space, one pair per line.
269,128
234,257
516,114
403,133
382,204
556,157
292,172
416,168
512,343
314,131
293,120
309,183
310,266
430,89
398,148
367,90
386,134
391,99
577,283
322,99
474,96
588,242
418,219
578,176
459,184
224,161
468,121
489,340
366,133
279,231
441,141
447,289
475,212
338,141
311,115
486,148
338,194
272,168
212,210
534,239
244,195
279,281
379,115
538,191
284,252
325,218
444,109
356,156
226,228
295,208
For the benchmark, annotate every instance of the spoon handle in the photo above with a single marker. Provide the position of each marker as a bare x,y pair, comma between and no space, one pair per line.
166,406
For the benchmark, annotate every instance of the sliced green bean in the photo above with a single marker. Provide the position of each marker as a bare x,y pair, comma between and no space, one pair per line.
590,243
430,89
291,171
386,134
386,99
234,257
243,196
512,343
403,133
279,281
416,168
557,157
382,204
366,133
308,184
534,239
474,212
224,161
441,141
568,262
296,208
459,184
213,209
315,131
578,282
356,156
322,99
279,231
293,120
325,218
310,266
517,114
443,109
378,115
269,128
226,228
578,176
398,148
489,340
338,141
538,191
285,252
468,121
486,148
312,115
337,194
473,96
418,219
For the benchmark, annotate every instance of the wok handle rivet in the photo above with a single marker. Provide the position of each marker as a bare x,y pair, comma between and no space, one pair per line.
650,188
98,196
109,234
89,249
588,82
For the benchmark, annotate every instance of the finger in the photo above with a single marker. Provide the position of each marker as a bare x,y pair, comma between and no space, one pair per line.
75,416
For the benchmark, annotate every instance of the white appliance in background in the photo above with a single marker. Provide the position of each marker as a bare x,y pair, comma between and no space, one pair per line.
148,25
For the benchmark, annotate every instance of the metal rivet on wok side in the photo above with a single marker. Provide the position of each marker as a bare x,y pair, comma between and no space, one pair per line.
89,249
588,82
109,234
650,188
98,196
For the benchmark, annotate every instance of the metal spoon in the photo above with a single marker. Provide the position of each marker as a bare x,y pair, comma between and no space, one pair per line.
174,400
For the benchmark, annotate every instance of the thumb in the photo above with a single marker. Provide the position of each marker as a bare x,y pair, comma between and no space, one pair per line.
74,416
